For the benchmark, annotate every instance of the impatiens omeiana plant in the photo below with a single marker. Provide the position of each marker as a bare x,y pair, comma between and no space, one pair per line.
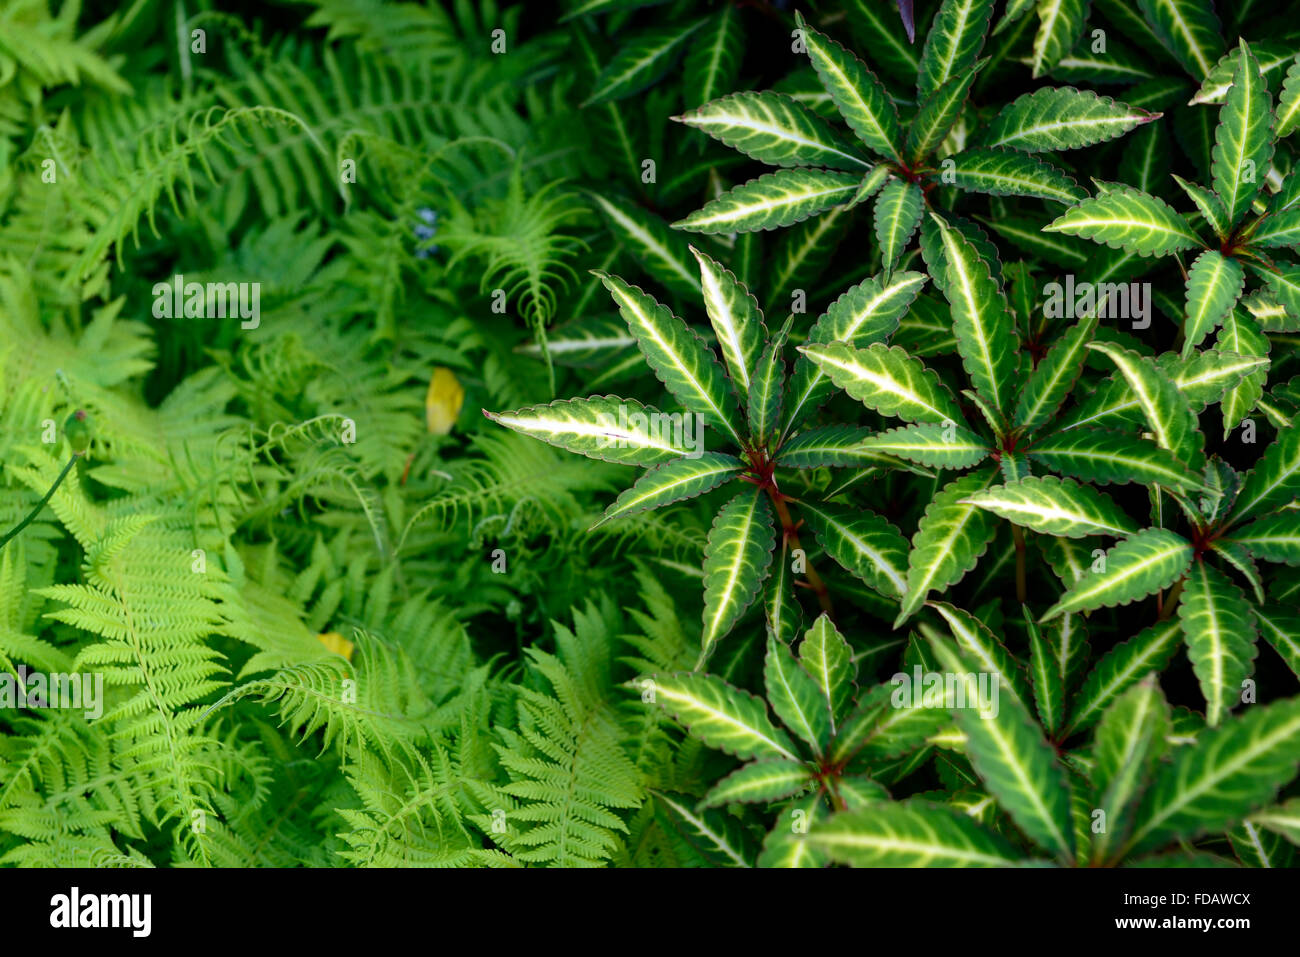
1061,456
901,162
1018,404
757,410
1237,228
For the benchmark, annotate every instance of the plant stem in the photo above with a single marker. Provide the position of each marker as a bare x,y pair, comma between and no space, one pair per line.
31,517
1022,590
792,538
1170,603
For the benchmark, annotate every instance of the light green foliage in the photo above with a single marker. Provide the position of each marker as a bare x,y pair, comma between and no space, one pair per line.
668,434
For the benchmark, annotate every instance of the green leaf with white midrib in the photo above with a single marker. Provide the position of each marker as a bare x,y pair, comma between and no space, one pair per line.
1167,412
1055,506
1128,219
678,356
1016,763
1205,377
779,605
1188,29
1060,23
784,846
663,253
1105,456
1287,114
948,541
713,62
759,781
1054,376
1001,171
1273,57
736,319
1243,140
1214,283
721,716
953,43
859,96
1273,538
1061,118
1228,773
978,643
736,560
1280,627
600,427
640,62
1138,566
674,481
783,198
833,445
866,313
1275,479
887,380
878,730
827,657
720,838
1047,677
796,697
766,389
1208,204
1219,630
864,544
1122,667
933,446
897,214
1283,819
981,317
937,114
1280,229
913,834
775,129
1129,741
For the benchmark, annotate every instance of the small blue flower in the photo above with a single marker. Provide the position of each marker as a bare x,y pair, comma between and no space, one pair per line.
425,231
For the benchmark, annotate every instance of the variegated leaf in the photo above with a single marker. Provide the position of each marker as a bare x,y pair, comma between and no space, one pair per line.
736,561
1214,283
981,315
678,356
1219,630
1061,118
864,544
774,129
1243,140
948,541
736,319
721,716
887,380
782,198
1054,506
867,313
859,96
1000,171
1136,567
827,657
673,482
601,427
1128,219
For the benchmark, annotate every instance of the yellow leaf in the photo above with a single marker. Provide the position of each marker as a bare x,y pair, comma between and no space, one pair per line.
442,404
336,643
